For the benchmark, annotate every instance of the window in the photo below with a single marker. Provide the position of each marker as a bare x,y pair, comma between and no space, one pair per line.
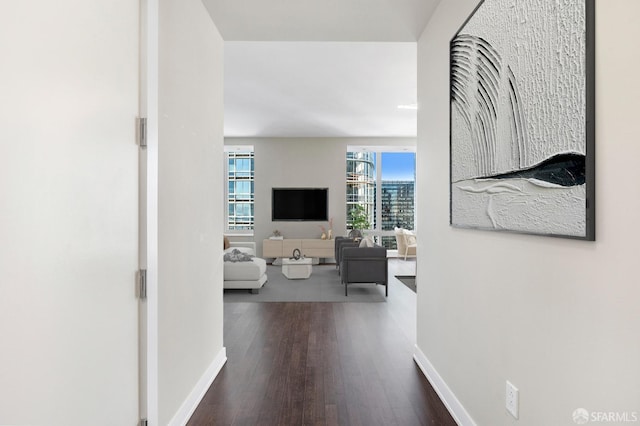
382,182
397,193
361,185
239,195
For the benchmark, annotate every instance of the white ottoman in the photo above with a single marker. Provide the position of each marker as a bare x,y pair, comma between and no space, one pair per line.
296,269
250,275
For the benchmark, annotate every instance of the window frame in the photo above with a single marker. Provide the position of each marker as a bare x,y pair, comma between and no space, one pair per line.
226,200
376,231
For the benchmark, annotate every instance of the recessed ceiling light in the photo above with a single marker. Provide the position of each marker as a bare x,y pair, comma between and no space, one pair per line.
409,106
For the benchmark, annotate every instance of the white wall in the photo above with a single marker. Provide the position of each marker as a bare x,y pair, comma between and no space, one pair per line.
68,203
303,162
558,318
190,189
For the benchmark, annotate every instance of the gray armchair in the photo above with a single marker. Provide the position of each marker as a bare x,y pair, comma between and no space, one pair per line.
364,265
342,242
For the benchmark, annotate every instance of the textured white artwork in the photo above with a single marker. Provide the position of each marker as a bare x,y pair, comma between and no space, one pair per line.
519,118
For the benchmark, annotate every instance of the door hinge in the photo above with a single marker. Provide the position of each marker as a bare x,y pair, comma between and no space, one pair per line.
143,422
142,284
141,124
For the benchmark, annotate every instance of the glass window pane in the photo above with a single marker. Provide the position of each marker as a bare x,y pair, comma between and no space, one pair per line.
240,190
361,181
398,190
243,187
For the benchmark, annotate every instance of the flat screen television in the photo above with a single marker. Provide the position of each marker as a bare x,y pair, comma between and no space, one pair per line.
301,204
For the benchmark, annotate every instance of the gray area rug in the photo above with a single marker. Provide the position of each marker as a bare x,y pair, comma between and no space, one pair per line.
408,280
323,286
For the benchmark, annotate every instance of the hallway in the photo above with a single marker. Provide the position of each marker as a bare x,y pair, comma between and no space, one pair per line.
323,364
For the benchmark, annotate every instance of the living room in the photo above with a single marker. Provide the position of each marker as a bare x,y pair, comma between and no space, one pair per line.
300,107
304,163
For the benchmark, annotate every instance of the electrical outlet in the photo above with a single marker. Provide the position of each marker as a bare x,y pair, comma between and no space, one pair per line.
512,399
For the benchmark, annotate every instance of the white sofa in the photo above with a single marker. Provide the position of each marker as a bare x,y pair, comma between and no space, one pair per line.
251,275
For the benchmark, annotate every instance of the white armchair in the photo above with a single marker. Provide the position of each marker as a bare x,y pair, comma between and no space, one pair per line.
407,242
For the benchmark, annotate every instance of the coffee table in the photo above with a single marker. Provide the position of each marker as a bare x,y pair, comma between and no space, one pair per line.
296,269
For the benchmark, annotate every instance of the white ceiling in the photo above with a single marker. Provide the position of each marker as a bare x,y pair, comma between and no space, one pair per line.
286,89
320,68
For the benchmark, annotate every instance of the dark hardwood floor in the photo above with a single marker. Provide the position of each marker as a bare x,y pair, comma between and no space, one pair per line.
321,364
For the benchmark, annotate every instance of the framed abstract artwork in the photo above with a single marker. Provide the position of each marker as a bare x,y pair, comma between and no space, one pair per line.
522,113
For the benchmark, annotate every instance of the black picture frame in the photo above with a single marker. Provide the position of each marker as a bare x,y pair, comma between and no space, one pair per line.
498,151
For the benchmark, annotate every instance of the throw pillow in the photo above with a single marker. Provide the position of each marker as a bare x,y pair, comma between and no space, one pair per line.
367,242
226,243
410,237
237,256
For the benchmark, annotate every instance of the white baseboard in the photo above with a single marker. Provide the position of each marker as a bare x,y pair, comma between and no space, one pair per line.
456,409
195,396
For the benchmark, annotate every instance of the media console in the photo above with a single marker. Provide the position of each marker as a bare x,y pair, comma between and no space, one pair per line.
308,247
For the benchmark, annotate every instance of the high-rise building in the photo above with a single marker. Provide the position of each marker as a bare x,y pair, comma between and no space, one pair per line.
240,190
361,183
397,204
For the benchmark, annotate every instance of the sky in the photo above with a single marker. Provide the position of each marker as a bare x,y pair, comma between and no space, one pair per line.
398,165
